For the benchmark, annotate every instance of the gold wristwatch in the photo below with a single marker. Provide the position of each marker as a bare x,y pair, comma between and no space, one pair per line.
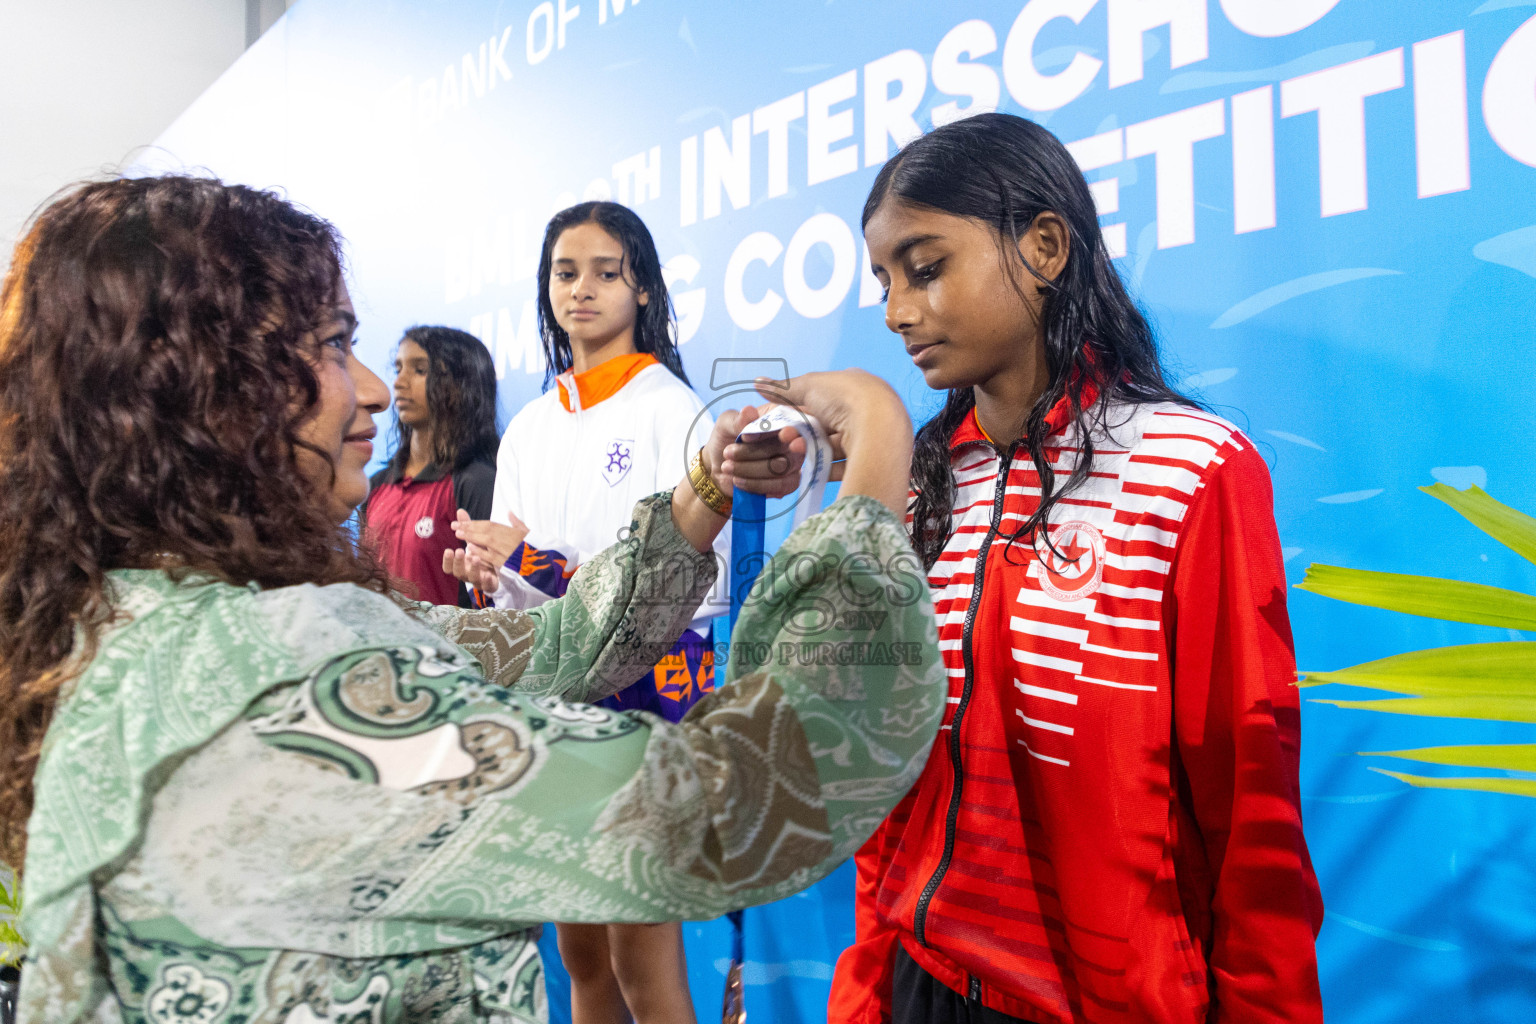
704,486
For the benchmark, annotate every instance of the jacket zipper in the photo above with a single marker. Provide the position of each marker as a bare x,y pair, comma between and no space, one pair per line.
920,917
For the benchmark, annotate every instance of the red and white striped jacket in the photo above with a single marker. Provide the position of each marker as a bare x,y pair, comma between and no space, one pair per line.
1108,828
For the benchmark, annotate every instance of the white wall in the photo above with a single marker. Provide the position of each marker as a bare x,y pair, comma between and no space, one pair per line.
83,83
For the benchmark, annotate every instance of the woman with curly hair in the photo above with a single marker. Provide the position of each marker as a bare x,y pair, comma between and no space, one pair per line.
261,785
445,419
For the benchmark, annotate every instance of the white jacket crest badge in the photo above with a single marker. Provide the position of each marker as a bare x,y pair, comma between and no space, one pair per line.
617,459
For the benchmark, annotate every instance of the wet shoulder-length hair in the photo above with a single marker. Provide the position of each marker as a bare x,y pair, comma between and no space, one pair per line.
461,400
154,378
655,323
1004,171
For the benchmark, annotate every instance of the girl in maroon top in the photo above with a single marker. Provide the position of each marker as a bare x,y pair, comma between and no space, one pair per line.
445,417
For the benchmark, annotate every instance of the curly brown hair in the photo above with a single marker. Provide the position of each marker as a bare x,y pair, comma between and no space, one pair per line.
154,374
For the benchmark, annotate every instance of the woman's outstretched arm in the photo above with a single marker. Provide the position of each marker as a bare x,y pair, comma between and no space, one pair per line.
632,601
472,808
624,609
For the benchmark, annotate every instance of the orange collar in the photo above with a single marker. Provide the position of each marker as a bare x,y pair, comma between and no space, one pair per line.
601,382
981,429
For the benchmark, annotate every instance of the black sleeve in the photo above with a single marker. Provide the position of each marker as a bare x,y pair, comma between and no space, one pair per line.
472,489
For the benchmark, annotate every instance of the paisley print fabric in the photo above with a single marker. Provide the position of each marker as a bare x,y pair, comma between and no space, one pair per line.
501,643
404,794
161,973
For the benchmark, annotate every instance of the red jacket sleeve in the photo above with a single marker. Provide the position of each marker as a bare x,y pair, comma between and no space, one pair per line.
1237,729
861,984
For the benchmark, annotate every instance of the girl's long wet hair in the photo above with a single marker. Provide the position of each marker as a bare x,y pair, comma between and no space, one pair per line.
1005,171
655,325
461,400
156,372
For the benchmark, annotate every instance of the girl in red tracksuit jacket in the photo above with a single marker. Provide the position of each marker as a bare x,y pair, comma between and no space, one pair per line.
1108,828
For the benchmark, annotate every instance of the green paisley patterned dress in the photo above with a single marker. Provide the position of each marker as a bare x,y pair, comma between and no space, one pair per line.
311,804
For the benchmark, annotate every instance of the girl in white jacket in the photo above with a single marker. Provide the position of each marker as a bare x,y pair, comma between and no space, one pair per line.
620,423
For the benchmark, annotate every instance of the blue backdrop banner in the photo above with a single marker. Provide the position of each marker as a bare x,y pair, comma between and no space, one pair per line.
1328,208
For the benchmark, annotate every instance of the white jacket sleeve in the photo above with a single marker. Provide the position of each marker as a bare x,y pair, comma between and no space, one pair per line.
512,592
